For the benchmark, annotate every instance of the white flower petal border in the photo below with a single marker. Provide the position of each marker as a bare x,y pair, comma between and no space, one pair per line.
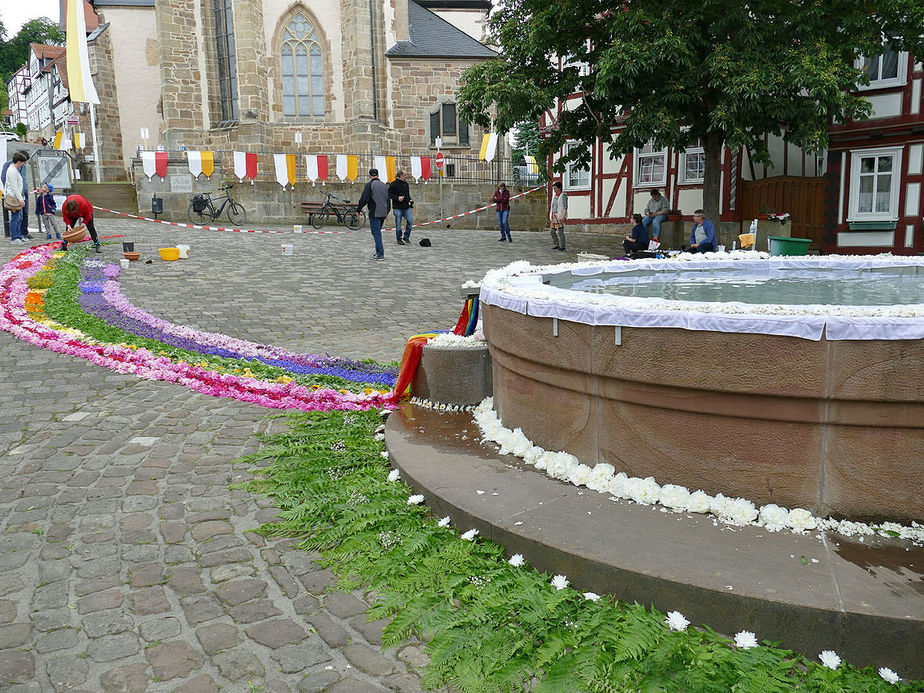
731,511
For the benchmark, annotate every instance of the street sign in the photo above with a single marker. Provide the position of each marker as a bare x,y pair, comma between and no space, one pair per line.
73,121
439,160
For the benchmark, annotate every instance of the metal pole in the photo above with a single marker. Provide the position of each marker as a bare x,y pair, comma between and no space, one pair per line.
95,141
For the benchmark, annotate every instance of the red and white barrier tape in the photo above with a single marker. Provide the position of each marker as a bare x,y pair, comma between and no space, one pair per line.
471,211
206,228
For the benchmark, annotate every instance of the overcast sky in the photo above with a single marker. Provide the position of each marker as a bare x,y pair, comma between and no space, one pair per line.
15,13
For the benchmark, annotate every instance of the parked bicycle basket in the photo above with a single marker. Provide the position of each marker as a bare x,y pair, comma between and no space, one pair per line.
199,203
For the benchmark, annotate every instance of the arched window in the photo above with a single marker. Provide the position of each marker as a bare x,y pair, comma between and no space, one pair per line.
302,69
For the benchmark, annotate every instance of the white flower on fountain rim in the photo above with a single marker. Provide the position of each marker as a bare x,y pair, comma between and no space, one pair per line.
888,675
416,499
516,560
773,517
801,519
830,659
675,621
646,491
745,640
591,596
470,535
394,475
444,522
559,582
699,502
674,497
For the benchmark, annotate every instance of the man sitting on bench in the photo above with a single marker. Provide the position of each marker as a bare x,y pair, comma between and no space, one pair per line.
702,237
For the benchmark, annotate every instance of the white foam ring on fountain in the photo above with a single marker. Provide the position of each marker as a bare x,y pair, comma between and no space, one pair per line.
518,287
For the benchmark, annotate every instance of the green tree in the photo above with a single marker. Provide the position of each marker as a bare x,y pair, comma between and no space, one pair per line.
673,72
15,52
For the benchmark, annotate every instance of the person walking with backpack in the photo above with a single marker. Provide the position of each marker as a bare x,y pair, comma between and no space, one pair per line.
45,207
400,194
375,195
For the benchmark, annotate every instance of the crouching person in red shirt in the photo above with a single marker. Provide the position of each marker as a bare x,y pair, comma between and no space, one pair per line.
77,207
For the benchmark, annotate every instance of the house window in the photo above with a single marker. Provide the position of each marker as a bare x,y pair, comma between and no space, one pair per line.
886,70
449,126
302,69
227,71
875,177
576,177
693,164
650,166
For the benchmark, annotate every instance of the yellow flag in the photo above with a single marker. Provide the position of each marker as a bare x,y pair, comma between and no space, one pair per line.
391,167
58,137
208,163
352,166
78,140
79,81
290,168
484,145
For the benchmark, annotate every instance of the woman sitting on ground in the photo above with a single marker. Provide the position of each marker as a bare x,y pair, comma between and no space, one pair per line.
638,239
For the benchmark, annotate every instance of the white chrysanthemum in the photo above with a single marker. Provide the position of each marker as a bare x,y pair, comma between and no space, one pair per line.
801,519
720,505
741,512
444,522
600,478
533,454
580,474
699,502
470,535
591,596
773,517
516,560
559,582
415,499
675,621
394,475
618,485
674,497
647,491
888,675
545,459
560,464
830,659
384,454
745,640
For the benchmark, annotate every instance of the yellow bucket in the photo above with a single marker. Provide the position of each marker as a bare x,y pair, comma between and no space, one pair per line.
168,254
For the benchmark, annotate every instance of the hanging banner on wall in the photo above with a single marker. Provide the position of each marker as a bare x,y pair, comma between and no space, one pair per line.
245,165
208,163
391,166
488,147
285,169
378,162
195,163
160,162
58,137
311,168
322,168
148,164
78,140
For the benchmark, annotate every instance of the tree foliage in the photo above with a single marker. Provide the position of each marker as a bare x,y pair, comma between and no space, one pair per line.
672,72
14,52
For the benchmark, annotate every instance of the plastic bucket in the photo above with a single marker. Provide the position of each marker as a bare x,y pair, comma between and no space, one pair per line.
297,228
779,245
128,247
168,254
720,249
184,251
124,263
287,248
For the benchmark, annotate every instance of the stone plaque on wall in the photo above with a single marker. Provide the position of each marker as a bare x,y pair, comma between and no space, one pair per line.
181,184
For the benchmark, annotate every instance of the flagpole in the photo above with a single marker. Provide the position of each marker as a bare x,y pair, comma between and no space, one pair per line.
95,141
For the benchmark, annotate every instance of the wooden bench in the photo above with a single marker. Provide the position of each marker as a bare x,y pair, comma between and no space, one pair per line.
310,208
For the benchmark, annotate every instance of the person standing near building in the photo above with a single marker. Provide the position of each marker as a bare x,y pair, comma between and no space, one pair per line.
400,194
375,195
76,208
45,211
502,207
656,212
14,197
24,220
558,214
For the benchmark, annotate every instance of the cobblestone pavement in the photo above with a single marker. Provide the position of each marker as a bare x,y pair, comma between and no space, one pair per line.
125,560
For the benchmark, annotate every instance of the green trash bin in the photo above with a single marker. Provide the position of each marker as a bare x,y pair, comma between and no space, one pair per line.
779,245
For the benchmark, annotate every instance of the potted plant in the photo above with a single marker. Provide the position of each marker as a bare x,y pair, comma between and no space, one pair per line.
764,214
674,215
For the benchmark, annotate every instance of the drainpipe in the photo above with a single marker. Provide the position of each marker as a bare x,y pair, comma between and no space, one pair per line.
375,99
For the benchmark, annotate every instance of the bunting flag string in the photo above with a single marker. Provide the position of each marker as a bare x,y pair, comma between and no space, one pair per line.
208,163
148,165
195,163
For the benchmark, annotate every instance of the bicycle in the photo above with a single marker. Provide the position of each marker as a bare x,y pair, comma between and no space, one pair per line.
202,208
344,211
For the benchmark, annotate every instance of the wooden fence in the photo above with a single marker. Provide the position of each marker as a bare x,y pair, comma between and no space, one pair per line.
803,198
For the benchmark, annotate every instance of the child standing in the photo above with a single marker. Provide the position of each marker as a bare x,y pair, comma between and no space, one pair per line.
45,207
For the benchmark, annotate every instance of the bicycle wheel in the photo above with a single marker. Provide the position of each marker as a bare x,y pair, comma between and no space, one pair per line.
354,220
198,218
236,213
319,219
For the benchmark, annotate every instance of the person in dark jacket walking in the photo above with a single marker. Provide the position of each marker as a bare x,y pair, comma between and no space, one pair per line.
375,195
502,207
400,195
45,207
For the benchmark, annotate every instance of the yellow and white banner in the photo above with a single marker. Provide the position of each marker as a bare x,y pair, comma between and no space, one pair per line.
79,81
531,165
59,136
78,140
285,169
488,146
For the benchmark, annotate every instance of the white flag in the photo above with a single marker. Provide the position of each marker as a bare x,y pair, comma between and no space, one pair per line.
416,169
195,163
148,165
342,167
382,167
240,165
311,167
282,172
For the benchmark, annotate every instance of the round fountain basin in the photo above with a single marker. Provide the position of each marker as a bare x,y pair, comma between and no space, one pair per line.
813,405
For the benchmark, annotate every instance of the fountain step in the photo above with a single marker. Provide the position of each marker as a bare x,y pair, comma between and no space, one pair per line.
811,592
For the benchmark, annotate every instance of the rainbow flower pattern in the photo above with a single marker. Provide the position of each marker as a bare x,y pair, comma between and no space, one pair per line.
227,367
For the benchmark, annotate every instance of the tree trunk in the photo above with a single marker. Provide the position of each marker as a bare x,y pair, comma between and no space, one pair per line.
712,178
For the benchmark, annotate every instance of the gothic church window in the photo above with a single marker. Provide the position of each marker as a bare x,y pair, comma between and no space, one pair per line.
302,69
227,72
